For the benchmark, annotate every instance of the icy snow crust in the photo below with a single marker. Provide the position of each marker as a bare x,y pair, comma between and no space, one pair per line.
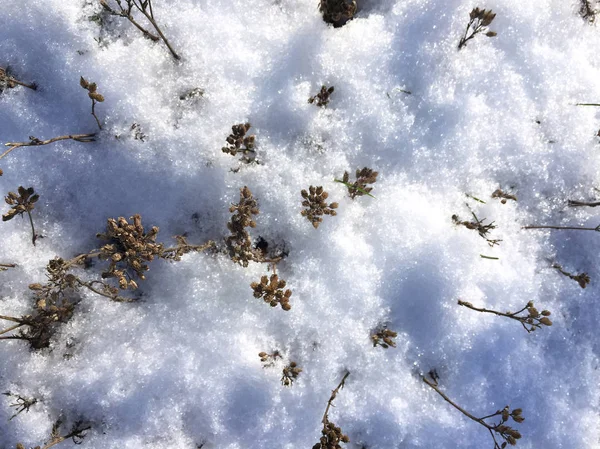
181,368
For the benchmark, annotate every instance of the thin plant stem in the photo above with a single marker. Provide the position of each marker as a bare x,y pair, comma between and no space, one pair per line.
94,113
334,393
12,328
33,234
572,228
8,265
36,142
574,203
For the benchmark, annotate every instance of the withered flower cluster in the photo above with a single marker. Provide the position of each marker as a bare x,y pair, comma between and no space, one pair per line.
384,338
271,290
22,203
583,279
530,321
239,142
479,226
364,176
316,207
268,360
322,98
290,374
239,243
94,95
479,20
337,12
7,81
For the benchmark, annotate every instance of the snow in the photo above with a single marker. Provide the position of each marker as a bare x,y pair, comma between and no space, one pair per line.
181,368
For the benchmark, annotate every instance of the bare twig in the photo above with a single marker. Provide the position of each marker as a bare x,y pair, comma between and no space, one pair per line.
34,141
574,203
533,319
334,393
11,81
571,228
6,266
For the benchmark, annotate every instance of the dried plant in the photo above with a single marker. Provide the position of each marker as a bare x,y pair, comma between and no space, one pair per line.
479,226
268,360
582,279
337,12
364,176
568,228
10,82
238,142
500,430
21,403
290,374
331,435
479,20
6,266
574,203
531,320
271,290
22,203
126,8
76,434
34,141
384,338
504,197
316,207
94,95
588,10
239,243
322,98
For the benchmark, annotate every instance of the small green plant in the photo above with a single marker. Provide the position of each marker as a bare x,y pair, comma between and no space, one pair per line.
531,320
337,12
503,196
384,338
582,279
479,20
22,203
364,176
20,404
268,360
500,430
316,207
322,98
127,7
7,81
479,226
77,433
332,436
94,95
239,142
271,291
290,374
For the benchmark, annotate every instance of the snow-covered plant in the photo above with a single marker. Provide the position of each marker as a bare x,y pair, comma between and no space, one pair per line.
384,338
479,226
500,430
583,279
76,434
271,291
22,203
530,320
239,243
322,98
239,142
126,8
316,207
479,20
10,82
331,435
359,187
337,12
94,95
290,374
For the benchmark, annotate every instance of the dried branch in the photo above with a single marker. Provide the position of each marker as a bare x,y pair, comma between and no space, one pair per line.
582,279
533,319
332,435
22,203
571,228
507,433
77,434
94,95
34,141
574,203
7,80
6,266
479,226
21,404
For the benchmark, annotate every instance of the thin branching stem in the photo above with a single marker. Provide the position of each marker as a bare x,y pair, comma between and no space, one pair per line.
8,265
572,228
36,142
334,393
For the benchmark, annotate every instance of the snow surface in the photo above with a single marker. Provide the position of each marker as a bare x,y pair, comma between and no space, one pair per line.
181,368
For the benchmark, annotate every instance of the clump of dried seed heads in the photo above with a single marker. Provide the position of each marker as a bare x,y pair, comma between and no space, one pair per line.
7,81
331,435
271,290
316,207
290,374
239,142
384,338
582,279
268,360
503,196
239,243
322,98
364,176
94,95
501,430
479,20
337,12
22,203
479,226
530,321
